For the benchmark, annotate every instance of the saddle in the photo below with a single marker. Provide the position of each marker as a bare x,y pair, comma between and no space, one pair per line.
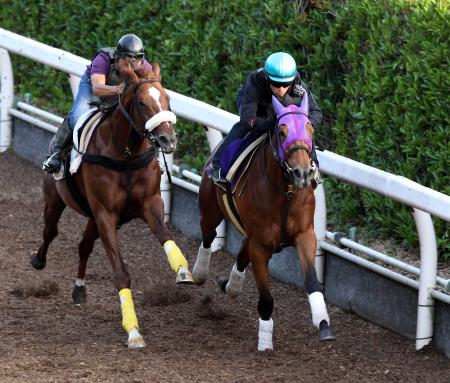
235,160
82,133
238,155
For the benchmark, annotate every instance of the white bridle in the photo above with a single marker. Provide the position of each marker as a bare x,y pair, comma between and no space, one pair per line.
159,118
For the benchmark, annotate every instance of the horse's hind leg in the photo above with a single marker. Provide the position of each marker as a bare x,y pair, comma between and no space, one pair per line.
53,209
210,217
84,249
233,286
306,244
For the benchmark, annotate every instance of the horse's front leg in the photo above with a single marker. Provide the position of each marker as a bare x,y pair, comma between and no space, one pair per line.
107,228
154,217
260,256
306,244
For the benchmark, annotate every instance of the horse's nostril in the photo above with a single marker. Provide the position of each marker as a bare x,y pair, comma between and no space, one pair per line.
163,140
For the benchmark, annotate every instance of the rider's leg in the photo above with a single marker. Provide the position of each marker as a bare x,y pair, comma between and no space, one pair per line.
63,137
237,131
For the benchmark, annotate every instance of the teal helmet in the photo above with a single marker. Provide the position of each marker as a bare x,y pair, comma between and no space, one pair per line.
280,67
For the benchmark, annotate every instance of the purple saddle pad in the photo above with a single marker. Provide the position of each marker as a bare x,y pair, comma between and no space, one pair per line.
234,150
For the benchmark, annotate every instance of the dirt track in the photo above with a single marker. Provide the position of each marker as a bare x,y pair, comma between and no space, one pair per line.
193,334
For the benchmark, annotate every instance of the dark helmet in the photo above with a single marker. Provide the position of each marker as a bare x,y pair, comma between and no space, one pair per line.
131,44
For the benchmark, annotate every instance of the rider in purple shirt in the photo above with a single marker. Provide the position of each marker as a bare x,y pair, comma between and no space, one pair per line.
100,84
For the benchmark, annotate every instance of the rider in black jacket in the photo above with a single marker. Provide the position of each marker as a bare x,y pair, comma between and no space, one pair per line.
280,78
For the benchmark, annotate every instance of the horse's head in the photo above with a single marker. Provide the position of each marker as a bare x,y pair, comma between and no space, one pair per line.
150,106
294,134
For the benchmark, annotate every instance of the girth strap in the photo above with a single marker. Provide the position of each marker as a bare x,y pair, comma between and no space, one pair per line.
76,195
137,162
134,163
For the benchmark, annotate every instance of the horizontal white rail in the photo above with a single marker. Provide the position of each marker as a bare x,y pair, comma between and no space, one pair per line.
380,269
339,239
33,120
398,188
39,112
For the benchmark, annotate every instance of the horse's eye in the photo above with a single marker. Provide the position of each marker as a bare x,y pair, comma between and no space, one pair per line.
283,132
141,103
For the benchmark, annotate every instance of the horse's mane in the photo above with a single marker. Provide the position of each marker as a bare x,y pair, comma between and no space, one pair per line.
129,75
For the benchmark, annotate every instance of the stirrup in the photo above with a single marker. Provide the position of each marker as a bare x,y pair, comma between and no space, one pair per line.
184,276
216,175
52,164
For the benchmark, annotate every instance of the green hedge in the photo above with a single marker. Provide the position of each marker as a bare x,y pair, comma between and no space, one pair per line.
379,69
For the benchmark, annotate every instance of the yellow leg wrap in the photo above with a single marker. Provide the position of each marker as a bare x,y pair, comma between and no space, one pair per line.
129,319
174,256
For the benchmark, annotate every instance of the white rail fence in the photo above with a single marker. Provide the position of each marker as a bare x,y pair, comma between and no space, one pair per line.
424,201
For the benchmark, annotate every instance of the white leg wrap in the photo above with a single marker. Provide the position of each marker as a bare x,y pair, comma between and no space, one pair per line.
265,335
200,270
318,308
79,282
234,285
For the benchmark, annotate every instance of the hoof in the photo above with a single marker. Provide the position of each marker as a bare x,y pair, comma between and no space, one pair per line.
199,277
135,339
79,295
325,332
184,277
223,284
37,263
136,343
267,350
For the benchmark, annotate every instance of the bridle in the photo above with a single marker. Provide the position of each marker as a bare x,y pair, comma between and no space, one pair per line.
148,125
287,171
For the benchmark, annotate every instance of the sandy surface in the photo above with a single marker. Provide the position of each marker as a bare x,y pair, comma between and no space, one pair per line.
193,334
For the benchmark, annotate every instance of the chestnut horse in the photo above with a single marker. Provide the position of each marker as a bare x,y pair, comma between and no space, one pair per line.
119,180
275,201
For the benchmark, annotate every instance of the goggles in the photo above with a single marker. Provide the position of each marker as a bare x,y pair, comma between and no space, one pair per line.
137,56
276,84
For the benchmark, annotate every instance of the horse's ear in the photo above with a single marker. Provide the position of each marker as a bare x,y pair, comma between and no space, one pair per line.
277,105
156,68
305,104
126,73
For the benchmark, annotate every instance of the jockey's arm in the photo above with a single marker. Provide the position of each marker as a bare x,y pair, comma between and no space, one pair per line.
100,89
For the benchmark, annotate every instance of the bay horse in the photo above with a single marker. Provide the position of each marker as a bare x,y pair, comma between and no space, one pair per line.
275,202
119,180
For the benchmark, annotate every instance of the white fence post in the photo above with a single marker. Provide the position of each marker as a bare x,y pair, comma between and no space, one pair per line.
74,82
214,137
320,228
427,282
165,185
6,99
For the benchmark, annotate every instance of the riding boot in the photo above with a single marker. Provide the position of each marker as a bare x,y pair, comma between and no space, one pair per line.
237,131
57,148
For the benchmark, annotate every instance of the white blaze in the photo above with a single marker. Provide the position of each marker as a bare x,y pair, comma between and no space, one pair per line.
155,93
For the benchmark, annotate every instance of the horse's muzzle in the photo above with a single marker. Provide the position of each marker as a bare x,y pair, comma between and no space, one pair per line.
302,177
167,142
